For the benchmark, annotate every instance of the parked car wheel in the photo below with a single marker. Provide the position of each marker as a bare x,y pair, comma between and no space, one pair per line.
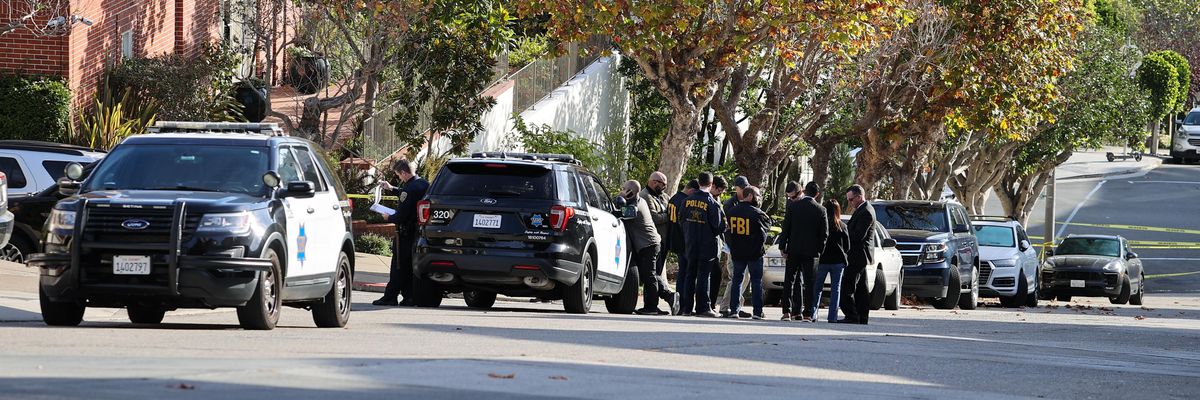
17,248
1020,298
1136,298
479,299
1063,298
969,301
893,300
577,298
334,312
145,314
953,291
56,313
625,301
1124,296
1031,298
879,292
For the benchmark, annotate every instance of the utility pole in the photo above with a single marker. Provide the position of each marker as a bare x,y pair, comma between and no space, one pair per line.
1048,238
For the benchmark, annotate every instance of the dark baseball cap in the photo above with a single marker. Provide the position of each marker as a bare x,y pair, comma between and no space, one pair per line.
694,184
792,187
741,182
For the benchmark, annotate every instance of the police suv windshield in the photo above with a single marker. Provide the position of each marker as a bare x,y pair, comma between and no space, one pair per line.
930,219
186,168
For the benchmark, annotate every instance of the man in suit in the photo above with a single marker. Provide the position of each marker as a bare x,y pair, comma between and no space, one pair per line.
856,303
803,238
400,278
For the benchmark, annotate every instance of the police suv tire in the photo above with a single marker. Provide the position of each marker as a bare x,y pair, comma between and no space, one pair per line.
1123,297
427,293
262,311
892,303
143,314
625,301
1136,298
577,298
334,310
969,301
479,299
953,291
56,313
879,294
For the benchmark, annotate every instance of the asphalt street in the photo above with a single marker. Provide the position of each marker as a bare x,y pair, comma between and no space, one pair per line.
526,351
1166,197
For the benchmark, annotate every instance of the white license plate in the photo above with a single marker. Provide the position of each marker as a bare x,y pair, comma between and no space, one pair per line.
487,221
131,265
1077,283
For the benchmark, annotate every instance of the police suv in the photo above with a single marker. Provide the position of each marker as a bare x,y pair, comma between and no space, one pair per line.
529,225
200,215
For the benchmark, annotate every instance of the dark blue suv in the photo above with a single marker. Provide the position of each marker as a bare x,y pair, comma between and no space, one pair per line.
939,249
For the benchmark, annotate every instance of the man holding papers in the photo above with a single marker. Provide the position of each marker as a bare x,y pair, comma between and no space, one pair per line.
405,217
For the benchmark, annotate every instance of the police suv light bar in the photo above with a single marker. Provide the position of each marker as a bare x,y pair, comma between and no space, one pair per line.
566,158
270,129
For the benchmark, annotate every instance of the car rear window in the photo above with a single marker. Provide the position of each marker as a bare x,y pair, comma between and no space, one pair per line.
495,180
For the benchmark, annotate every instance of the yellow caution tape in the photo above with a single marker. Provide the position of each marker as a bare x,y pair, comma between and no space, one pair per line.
369,197
1153,276
1140,228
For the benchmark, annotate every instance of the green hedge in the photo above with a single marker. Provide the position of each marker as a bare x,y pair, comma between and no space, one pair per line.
371,243
34,108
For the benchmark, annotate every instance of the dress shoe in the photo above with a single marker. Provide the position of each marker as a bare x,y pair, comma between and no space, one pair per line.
385,302
759,316
407,303
725,313
743,314
649,311
847,321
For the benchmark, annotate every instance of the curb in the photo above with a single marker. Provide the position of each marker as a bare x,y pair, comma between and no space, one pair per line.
1112,174
370,287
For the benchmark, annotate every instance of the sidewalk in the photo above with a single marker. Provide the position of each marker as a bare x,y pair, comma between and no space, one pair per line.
1091,164
371,272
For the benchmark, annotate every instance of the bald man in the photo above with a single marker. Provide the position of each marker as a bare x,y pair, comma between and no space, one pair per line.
656,199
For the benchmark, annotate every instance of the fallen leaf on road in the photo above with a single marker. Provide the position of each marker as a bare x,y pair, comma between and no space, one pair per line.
183,386
1147,308
494,375
458,329
1105,309
1139,318
559,378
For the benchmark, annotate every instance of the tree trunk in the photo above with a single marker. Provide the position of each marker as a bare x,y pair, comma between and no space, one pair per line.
677,144
819,162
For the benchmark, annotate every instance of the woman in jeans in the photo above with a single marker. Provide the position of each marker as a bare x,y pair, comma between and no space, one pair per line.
833,260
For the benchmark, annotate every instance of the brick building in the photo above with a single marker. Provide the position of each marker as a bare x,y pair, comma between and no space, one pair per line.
119,29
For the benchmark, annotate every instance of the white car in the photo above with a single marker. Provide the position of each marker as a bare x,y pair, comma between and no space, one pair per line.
885,287
33,166
1185,145
1010,270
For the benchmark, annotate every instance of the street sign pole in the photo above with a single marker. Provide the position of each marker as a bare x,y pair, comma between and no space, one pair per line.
1048,238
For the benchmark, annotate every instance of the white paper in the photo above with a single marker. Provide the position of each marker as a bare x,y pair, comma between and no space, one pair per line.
378,194
382,209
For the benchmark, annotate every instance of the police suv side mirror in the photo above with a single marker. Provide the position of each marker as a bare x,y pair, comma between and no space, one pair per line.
300,189
67,187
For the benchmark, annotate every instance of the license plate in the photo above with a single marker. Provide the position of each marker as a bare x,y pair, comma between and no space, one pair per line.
131,265
1077,283
487,221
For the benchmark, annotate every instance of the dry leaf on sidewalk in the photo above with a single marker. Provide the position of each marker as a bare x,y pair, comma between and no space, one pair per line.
494,375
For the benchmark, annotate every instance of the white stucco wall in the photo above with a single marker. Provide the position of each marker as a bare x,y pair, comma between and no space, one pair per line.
497,122
591,104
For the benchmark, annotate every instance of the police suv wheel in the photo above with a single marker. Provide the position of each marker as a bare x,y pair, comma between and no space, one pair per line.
479,299
427,293
577,298
625,301
55,313
145,314
262,311
334,311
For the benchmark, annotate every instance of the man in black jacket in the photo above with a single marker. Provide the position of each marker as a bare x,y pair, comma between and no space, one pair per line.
703,223
747,238
802,241
856,304
400,279
674,237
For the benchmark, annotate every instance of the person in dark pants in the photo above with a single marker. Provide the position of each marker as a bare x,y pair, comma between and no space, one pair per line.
644,239
400,279
801,242
675,241
740,183
657,202
856,304
703,223
747,239
833,261
718,273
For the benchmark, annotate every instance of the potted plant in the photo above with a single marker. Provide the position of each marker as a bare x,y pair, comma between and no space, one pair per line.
253,94
308,71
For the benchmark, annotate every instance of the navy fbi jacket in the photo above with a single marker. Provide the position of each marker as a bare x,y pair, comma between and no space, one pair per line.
405,217
747,235
703,223
674,237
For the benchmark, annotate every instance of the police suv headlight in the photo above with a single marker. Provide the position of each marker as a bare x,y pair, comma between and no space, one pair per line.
775,261
233,223
62,222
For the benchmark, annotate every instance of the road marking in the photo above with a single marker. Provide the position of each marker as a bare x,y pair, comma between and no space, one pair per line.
1077,207
1171,259
1171,275
1171,182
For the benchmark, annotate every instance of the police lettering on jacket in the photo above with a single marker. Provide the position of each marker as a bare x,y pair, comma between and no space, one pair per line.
703,222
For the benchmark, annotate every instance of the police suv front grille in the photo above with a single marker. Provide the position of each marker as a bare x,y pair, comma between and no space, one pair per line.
108,224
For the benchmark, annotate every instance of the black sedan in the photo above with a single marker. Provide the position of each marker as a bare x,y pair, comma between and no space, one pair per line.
1094,266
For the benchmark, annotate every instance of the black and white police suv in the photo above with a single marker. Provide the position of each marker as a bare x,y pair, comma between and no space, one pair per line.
200,215
526,225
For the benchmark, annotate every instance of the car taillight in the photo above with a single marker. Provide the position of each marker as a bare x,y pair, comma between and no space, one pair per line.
559,215
423,212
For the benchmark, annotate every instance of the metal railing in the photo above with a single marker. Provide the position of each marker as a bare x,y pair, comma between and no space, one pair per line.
531,83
